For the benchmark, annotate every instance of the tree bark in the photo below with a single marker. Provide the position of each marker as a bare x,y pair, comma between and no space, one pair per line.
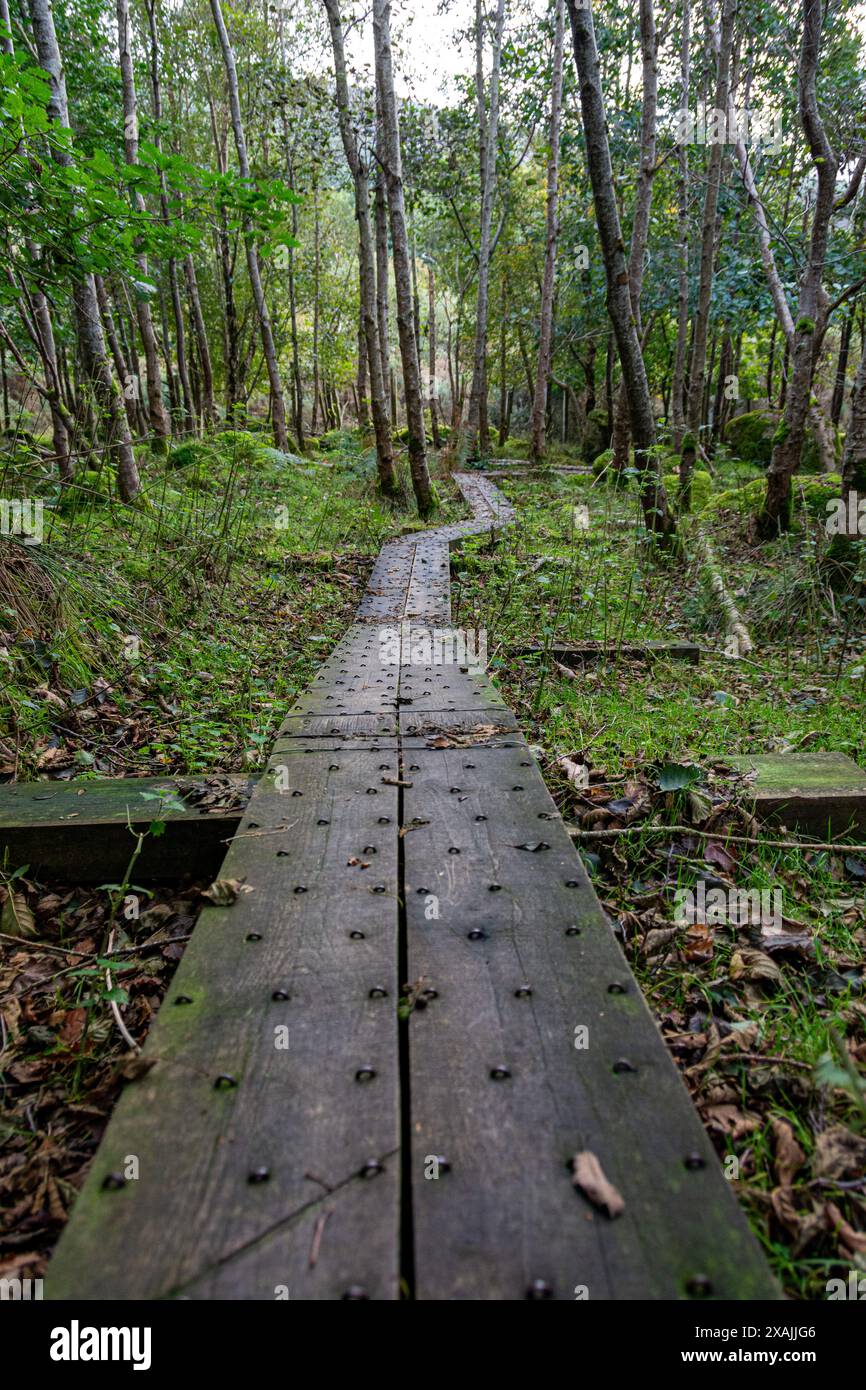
656,511
642,207
841,367
278,408
776,513
424,494
155,409
698,364
538,439
381,216
472,443
86,307
367,261
678,415
431,358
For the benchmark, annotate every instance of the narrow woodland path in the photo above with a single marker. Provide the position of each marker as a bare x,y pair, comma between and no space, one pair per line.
289,1136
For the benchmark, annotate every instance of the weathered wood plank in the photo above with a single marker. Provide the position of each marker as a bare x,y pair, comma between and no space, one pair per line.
84,832
322,929
579,652
816,793
520,956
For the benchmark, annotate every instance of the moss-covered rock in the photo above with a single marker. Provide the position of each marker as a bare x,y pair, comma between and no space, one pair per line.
602,462
702,487
750,436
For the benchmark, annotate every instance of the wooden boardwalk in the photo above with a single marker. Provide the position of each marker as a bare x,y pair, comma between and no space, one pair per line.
302,1136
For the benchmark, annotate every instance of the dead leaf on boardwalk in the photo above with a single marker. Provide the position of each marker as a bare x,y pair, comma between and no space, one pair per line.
16,919
839,1154
224,891
132,1066
589,1177
788,1154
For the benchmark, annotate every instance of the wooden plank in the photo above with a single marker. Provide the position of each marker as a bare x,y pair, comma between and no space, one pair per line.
578,652
322,929
504,1213
84,832
816,793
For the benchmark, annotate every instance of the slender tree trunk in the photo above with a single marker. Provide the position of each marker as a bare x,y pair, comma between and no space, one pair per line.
503,365
361,401
208,405
85,304
677,406
278,409
642,207
155,409
538,439
697,366
381,216
657,514
472,443
431,358
366,259
316,275
777,511
841,367
424,494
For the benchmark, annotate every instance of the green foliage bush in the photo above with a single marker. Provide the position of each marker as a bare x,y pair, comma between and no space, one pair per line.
91,488
702,487
185,455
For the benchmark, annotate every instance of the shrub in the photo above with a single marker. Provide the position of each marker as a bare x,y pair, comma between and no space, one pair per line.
702,487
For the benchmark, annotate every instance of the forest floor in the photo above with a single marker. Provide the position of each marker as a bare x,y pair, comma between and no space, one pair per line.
232,602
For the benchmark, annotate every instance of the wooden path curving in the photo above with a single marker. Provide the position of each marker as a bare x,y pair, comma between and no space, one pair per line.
302,1136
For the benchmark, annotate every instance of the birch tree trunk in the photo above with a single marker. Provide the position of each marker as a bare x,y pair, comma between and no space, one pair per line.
155,408
424,494
367,261
657,514
776,513
86,307
488,122
278,408
538,440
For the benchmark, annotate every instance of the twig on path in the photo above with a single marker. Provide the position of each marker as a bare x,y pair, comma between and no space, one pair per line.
714,835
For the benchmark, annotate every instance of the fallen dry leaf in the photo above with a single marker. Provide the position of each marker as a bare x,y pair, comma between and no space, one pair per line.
788,1154
839,1154
589,1177
224,891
